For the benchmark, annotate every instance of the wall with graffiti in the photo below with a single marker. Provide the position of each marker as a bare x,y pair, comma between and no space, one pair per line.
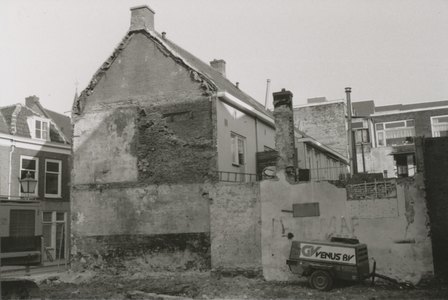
393,224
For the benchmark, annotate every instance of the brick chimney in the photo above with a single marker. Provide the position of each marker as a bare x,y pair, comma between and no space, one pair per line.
142,17
284,133
29,101
219,65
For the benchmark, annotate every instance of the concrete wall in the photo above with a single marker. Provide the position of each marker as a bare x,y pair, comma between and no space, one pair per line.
399,242
324,122
235,228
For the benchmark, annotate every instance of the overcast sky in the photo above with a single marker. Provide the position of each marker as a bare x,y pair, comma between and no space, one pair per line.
390,51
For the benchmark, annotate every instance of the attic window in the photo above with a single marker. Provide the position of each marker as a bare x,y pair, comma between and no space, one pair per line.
39,128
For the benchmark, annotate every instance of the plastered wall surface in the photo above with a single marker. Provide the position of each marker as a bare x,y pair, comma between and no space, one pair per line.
381,160
104,222
231,120
4,169
169,227
107,141
400,244
235,227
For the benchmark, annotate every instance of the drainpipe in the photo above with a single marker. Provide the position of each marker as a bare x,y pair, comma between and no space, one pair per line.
348,90
256,134
13,146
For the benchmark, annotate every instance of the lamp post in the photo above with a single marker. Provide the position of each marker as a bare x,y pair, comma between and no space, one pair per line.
28,184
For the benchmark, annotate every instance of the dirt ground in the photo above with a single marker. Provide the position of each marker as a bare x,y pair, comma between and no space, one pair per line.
195,285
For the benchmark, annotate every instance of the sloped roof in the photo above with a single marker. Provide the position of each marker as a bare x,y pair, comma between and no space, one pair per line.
14,122
3,125
62,121
210,79
222,82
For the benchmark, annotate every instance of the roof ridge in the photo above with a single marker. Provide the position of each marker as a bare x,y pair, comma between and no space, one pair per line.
32,110
62,115
252,101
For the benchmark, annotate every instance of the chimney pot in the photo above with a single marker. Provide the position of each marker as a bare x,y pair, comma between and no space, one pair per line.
142,17
163,35
219,65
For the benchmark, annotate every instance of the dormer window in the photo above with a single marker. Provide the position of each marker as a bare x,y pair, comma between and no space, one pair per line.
39,128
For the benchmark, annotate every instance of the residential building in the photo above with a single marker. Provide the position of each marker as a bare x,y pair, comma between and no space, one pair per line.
152,130
36,140
325,121
384,135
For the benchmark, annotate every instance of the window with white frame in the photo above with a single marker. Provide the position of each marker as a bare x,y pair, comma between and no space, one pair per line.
53,178
395,133
238,149
54,232
30,165
40,128
439,126
362,136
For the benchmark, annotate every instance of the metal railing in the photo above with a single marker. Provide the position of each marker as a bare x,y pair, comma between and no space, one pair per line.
238,177
331,173
319,174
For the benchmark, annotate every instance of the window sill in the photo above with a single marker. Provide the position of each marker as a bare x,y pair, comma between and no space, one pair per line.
52,197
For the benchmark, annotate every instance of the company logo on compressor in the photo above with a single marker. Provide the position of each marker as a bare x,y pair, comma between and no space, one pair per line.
313,252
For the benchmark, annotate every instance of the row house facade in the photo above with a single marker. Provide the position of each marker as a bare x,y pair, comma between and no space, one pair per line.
36,141
384,135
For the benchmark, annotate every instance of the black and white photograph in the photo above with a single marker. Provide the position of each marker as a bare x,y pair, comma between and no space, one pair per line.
224,149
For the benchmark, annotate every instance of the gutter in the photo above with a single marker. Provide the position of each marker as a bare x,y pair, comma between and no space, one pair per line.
232,100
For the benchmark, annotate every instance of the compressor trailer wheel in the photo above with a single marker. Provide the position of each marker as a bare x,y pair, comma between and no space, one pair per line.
321,280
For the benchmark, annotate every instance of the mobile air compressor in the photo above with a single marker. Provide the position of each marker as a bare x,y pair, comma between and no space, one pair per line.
324,261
